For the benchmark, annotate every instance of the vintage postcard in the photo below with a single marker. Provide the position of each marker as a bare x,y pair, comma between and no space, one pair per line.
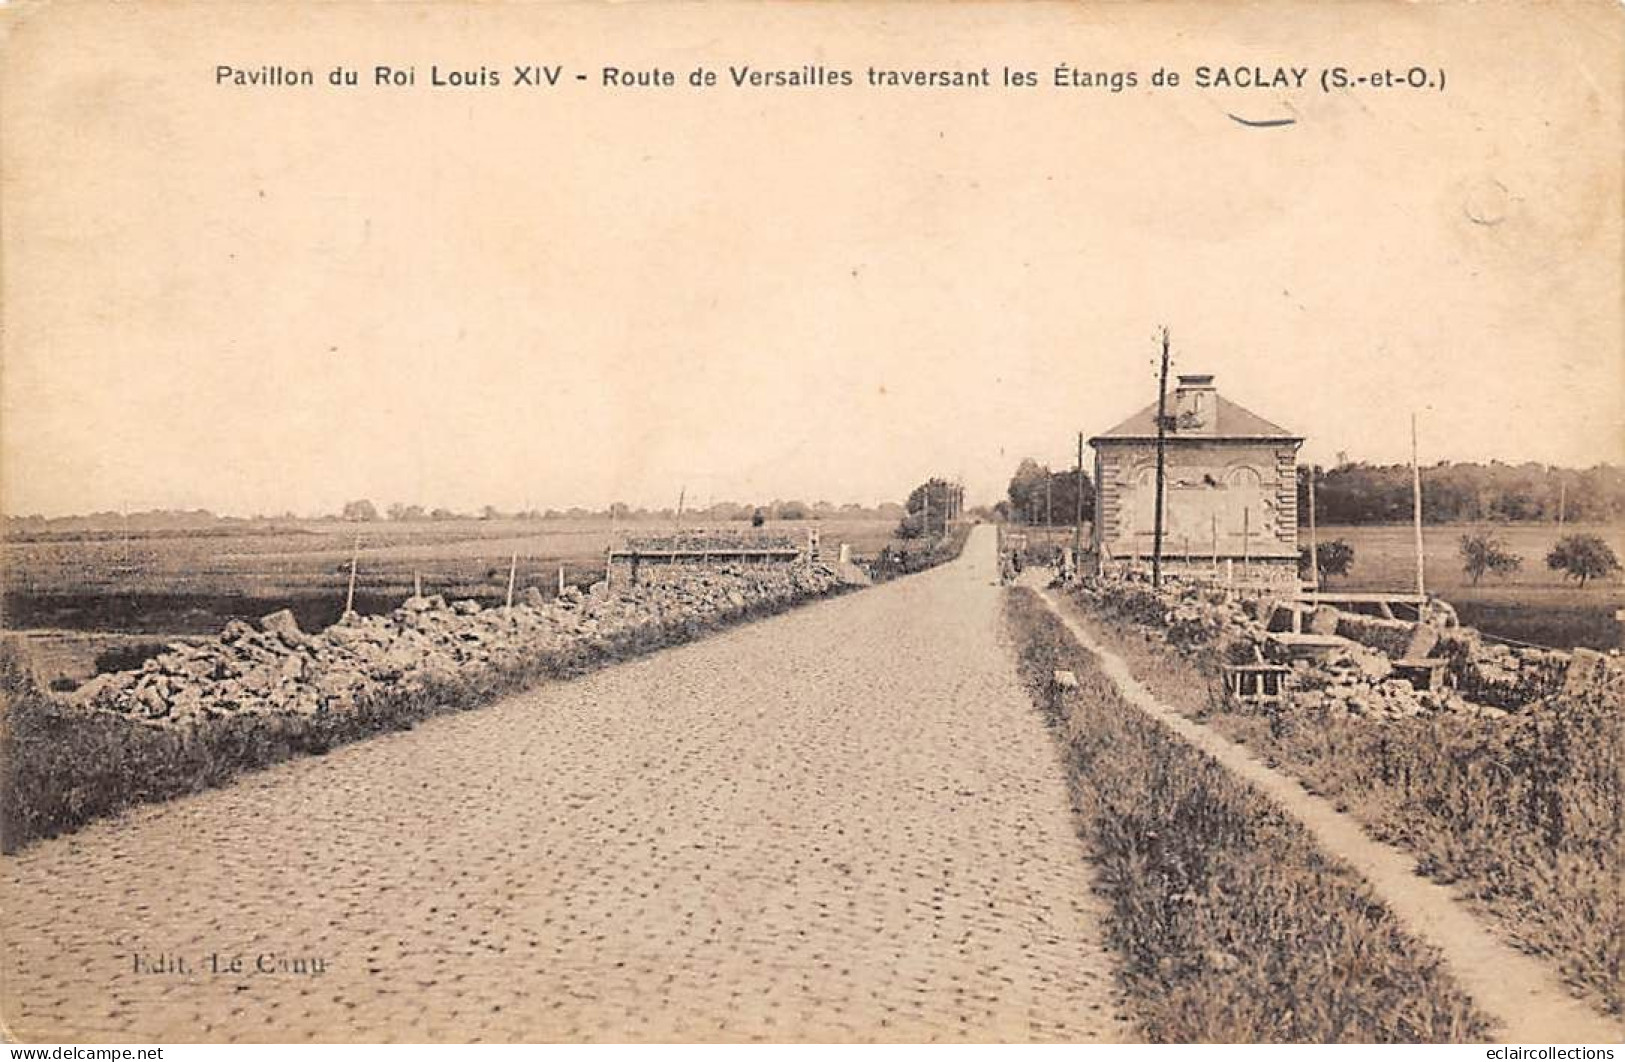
799,522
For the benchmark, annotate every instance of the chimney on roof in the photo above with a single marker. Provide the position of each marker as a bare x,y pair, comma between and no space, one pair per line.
1196,403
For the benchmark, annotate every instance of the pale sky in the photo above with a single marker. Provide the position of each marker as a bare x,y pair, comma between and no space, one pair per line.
255,300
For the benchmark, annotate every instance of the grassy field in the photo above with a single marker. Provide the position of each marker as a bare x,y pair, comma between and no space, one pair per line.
1533,605
112,591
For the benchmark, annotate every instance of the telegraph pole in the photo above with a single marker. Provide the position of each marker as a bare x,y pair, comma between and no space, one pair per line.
1162,460
1314,539
1077,527
1416,513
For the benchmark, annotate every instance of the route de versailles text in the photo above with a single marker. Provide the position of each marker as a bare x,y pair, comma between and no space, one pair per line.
1062,75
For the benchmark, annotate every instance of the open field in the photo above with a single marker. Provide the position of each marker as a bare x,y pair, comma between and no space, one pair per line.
1533,605
105,586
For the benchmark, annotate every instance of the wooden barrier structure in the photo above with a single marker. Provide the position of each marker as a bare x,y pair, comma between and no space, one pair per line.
705,550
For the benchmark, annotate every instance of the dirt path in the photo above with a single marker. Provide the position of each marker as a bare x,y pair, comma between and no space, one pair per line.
1520,992
846,822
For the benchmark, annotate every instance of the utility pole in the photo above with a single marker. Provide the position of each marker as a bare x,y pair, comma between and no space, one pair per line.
1049,499
682,493
1077,526
1562,502
1314,540
1416,512
1162,460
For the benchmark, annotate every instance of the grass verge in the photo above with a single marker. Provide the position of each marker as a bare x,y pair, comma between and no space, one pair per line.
1524,815
1231,924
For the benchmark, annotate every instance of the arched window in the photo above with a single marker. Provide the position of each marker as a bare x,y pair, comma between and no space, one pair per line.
1243,476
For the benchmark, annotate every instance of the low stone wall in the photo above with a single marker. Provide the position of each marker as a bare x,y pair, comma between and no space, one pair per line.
280,669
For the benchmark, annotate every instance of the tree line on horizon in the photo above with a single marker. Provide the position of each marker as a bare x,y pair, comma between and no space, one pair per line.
363,510
1464,492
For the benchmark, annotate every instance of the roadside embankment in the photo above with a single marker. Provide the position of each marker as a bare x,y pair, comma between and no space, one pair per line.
1232,924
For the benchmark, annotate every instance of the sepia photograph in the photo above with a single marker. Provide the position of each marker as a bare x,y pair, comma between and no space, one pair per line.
812,523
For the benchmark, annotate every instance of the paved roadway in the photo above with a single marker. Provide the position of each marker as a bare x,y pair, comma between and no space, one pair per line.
842,823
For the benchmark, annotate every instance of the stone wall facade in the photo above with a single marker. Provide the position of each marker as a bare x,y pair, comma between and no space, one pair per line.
1237,500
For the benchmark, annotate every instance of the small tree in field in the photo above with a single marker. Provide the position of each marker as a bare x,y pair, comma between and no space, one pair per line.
1483,552
911,526
1336,558
1582,557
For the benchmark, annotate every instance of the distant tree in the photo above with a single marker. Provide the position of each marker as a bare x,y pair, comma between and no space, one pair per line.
758,518
620,510
361,509
1038,495
1582,557
1026,490
1336,558
1062,503
442,514
1484,552
398,511
794,510
928,503
490,512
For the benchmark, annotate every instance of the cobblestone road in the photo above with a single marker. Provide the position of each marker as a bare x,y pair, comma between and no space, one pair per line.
842,823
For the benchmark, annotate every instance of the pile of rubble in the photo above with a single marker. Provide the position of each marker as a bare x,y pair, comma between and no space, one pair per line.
280,669
1360,681
1357,676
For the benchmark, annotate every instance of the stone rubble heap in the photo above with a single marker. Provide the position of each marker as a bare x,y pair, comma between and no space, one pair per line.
280,669
1356,678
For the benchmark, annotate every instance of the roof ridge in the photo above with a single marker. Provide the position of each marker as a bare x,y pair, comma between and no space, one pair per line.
1234,421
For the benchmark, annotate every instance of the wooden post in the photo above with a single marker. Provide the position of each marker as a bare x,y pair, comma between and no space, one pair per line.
1314,538
1162,459
1416,512
561,579
417,584
1246,537
609,566
1077,527
1215,544
355,555
513,569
